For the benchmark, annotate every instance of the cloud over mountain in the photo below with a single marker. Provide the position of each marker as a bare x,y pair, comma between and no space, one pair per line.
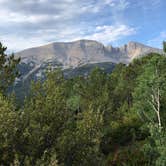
27,23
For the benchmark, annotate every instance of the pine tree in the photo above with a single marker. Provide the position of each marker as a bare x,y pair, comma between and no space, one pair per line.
8,131
8,69
150,102
164,46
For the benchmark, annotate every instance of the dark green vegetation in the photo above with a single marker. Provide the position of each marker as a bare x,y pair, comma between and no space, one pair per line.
8,69
22,88
164,46
102,119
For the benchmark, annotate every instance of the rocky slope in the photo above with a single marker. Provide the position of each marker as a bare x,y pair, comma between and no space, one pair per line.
78,53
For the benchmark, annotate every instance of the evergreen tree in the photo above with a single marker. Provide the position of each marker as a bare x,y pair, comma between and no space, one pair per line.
150,92
164,46
43,119
8,69
80,142
150,102
8,131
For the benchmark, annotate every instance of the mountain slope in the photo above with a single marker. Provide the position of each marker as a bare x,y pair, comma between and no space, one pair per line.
78,53
73,54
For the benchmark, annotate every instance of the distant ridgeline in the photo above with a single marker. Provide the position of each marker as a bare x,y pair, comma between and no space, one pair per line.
74,58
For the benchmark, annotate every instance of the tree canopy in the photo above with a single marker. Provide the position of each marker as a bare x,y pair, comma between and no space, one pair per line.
8,69
104,118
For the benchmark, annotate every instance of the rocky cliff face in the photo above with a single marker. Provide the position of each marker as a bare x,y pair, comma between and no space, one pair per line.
134,50
78,53
73,54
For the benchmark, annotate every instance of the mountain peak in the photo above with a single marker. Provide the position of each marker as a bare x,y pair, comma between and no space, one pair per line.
73,54
134,42
78,53
81,41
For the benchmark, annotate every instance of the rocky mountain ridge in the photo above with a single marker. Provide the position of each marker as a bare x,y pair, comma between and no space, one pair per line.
78,53
72,54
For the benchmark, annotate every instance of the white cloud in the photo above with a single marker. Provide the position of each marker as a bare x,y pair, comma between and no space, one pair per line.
40,10
16,43
14,17
158,40
107,34
118,4
122,4
104,34
148,5
28,23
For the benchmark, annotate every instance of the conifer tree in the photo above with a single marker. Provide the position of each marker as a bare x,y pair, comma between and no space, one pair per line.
8,69
164,46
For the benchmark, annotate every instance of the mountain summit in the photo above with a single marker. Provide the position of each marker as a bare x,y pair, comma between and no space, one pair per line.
73,54
78,53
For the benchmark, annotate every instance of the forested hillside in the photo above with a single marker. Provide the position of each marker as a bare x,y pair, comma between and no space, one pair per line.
103,119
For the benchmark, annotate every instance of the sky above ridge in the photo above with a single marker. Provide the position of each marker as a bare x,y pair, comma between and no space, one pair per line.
30,23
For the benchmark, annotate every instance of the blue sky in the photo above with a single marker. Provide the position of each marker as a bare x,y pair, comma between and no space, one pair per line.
29,23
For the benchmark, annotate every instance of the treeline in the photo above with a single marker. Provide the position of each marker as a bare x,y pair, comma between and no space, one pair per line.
116,119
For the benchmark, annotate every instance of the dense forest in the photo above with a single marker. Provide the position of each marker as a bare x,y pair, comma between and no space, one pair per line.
103,119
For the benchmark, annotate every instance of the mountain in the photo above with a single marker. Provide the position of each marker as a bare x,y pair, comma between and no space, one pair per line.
71,55
75,58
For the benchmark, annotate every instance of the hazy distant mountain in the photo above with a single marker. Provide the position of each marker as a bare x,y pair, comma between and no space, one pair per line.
78,53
